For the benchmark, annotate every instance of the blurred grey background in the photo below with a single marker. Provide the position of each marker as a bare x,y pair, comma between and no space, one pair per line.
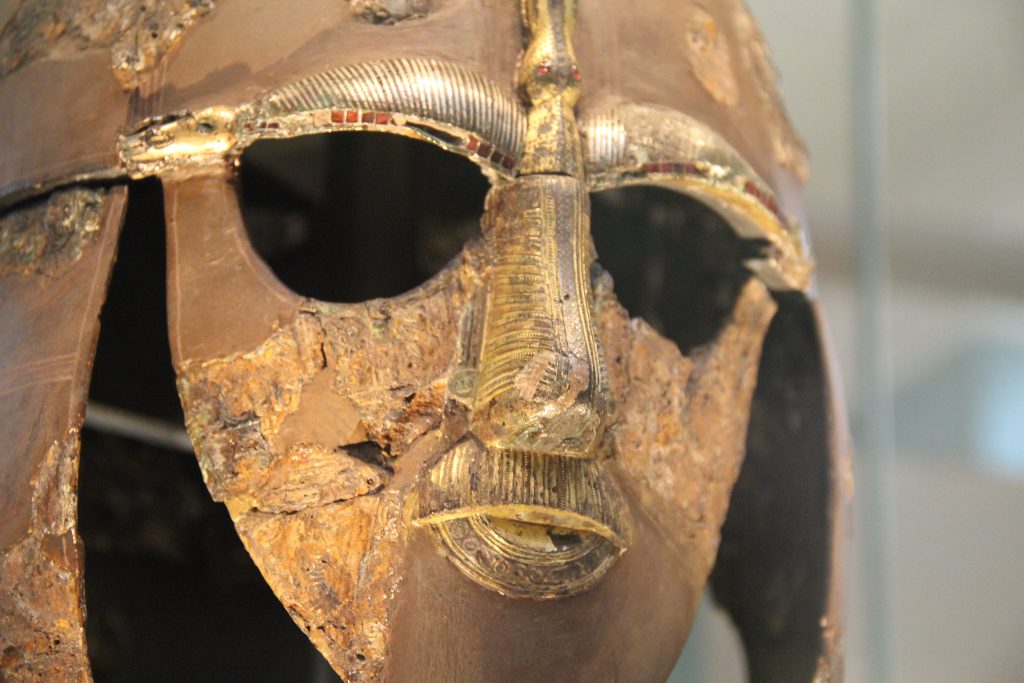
932,348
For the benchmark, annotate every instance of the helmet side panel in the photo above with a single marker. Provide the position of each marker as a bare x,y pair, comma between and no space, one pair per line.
55,261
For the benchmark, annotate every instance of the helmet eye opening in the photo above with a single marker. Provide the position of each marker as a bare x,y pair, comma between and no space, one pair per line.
356,216
674,261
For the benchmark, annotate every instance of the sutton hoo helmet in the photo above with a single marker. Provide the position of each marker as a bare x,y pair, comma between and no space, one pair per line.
499,475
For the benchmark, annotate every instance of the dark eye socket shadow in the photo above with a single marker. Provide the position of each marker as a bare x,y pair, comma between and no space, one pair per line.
348,218
675,262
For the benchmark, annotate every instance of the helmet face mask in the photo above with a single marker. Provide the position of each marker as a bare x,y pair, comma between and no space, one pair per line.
500,466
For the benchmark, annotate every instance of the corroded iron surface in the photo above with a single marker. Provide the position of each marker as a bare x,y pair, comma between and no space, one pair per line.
57,254
43,613
390,11
48,236
709,57
138,34
788,148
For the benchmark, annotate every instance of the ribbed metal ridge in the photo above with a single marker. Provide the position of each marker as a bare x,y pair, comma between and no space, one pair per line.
546,489
424,88
637,144
628,136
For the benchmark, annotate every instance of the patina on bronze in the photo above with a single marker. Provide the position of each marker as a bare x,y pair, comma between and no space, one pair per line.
499,475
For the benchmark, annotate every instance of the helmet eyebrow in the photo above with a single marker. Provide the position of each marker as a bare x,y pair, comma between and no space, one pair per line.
436,101
424,89
633,144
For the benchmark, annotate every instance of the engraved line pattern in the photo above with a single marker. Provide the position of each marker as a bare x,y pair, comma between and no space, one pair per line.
584,299
425,88
522,321
605,141
635,143
479,550
469,480
654,140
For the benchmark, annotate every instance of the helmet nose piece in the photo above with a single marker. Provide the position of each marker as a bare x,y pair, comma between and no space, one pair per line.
541,380
523,505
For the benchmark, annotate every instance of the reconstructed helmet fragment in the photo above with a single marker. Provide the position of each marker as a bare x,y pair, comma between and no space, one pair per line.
501,474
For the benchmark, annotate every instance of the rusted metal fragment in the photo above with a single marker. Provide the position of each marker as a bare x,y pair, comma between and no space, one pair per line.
274,427
336,568
56,259
42,612
391,358
390,11
262,386
157,26
311,474
138,33
680,423
48,235
236,408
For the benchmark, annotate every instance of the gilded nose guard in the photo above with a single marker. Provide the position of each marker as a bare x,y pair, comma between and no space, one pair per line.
522,505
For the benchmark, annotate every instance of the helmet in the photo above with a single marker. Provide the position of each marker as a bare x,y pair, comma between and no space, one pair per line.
500,474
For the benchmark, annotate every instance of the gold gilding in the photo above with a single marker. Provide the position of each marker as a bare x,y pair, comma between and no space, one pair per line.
524,506
541,383
525,560
523,503
645,144
549,81
203,138
546,490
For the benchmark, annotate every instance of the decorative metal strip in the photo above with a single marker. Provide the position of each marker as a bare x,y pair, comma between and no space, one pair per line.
548,490
634,144
442,103
445,102
492,552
